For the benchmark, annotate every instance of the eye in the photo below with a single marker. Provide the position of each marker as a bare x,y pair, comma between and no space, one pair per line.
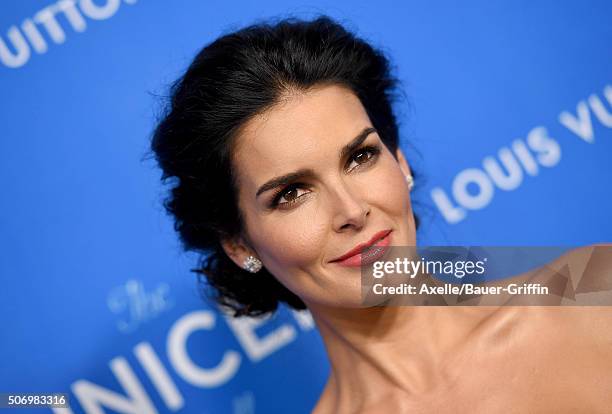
362,156
289,195
293,193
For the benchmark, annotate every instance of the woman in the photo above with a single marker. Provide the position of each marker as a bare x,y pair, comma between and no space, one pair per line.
283,147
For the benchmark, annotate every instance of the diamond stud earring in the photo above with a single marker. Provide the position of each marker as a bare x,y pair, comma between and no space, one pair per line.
252,264
410,181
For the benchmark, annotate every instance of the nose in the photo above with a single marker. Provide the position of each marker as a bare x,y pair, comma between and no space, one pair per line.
350,209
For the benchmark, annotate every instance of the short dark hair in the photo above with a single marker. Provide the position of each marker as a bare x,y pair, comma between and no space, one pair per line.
231,80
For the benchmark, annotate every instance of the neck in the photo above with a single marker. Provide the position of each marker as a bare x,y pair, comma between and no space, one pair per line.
383,348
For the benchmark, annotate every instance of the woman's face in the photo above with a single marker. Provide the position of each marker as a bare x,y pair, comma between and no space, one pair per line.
314,181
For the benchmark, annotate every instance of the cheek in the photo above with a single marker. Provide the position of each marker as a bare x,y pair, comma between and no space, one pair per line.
290,243
390,190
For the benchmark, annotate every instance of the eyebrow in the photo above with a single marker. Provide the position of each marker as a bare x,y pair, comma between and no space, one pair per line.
307,172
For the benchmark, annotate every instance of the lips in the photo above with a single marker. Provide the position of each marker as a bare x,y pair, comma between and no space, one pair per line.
367,252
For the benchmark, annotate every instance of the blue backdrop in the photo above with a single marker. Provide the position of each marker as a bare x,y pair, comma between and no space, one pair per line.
507,116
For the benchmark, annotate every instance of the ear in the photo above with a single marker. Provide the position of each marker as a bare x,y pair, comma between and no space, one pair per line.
237,250
399,154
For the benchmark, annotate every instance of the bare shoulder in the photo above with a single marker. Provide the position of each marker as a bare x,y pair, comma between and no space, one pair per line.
579,277
589,269
589,273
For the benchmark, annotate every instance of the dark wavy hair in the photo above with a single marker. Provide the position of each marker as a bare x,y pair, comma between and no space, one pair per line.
231,80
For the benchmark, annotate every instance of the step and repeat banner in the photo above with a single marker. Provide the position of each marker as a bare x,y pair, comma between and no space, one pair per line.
506,118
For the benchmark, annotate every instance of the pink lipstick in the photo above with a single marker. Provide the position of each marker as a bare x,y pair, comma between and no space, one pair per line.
366,253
